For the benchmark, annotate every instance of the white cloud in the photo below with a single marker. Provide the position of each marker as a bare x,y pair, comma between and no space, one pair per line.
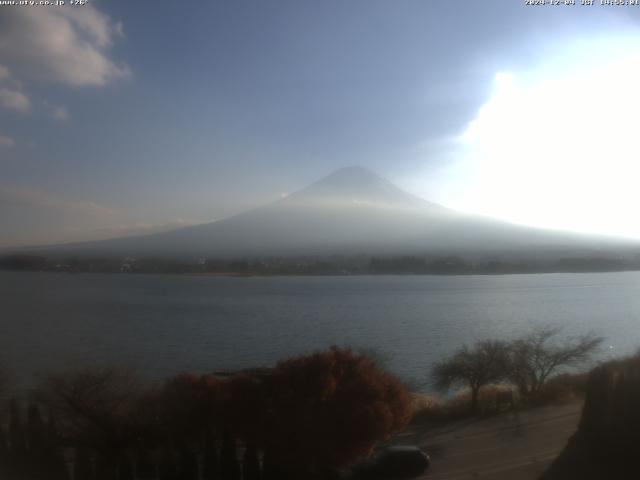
60,113
14,100
6,141
63,45
118,28
57,112
553,147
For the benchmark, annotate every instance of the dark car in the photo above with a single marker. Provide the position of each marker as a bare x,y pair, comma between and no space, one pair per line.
395,462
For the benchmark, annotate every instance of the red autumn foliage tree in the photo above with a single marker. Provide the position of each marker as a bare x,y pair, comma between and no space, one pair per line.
329,409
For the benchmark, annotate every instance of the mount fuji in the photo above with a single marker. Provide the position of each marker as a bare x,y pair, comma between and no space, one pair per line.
351,211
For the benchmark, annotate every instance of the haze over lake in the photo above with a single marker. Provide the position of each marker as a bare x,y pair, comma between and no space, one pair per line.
164,324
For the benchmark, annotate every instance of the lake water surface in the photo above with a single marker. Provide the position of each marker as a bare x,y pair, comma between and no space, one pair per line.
162,324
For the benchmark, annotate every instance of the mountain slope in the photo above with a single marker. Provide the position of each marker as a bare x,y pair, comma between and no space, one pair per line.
351,211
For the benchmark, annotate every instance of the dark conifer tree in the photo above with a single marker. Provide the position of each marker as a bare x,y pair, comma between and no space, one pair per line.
57,469
82,468
188,464
251,463
168,468
17,461
52,438
145,467
106,467
16,431
4,447
210,461
229,466
55,461
270,470
125,468
37,458
36,431
4,454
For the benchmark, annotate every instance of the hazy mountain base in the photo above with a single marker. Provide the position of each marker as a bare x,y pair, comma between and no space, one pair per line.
351,212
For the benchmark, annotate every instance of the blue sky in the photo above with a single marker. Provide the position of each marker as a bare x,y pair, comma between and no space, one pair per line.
125,117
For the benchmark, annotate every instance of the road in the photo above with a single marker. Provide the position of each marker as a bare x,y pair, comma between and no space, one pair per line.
511,446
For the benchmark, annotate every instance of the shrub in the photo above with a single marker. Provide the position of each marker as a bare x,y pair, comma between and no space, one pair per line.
560,389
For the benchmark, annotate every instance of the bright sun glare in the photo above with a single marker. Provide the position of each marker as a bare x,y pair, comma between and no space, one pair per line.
558,147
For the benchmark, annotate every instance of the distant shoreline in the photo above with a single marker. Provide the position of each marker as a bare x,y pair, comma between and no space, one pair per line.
399,274
358,274
333,265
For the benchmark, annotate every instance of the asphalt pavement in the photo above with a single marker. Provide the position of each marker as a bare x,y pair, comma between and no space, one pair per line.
515,445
